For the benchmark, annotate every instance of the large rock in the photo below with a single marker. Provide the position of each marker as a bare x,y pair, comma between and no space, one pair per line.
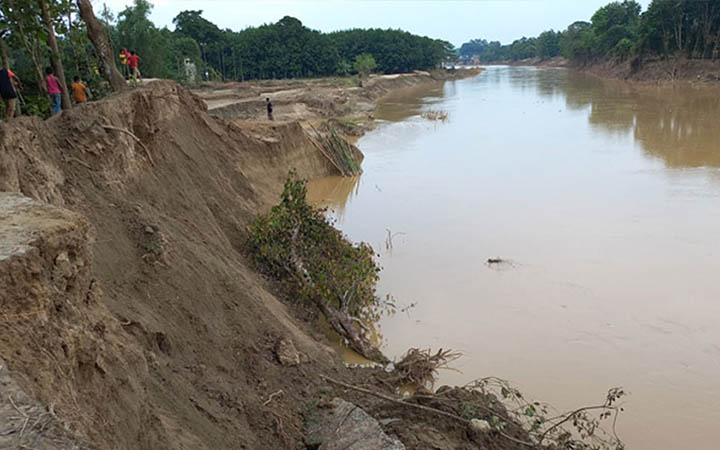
347,427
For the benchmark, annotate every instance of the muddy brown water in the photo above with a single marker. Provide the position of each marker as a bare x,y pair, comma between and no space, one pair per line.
605,199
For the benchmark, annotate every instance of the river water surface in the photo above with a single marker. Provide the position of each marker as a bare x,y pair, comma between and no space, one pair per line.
604,197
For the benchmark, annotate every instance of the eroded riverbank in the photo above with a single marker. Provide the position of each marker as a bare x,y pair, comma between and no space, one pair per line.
133,315
352,107
651,70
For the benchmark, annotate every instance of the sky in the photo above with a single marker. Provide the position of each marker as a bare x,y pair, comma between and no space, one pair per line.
456,21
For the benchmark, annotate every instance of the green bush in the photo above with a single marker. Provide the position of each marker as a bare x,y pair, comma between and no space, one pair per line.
35,105
624,48
295,238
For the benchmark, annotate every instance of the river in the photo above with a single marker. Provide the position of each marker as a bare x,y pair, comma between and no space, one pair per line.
604,198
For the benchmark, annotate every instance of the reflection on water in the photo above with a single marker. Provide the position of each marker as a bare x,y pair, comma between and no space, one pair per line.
399,105
678,124
334,192
604,197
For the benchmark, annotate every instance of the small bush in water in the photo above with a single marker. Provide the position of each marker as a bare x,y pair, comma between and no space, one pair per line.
295,242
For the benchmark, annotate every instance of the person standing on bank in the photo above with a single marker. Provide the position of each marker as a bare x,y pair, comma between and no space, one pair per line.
54,89
8,80
124,61
81,93
269,108
132,62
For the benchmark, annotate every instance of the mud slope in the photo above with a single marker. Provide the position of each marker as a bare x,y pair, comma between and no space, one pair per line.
157,335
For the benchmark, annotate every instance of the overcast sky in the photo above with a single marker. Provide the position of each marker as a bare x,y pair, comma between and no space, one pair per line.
457,21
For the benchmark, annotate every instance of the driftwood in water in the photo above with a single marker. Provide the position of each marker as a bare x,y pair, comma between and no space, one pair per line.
340,321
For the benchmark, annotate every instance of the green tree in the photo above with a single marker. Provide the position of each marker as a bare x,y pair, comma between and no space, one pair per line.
364,64
209,37
614,22
27,33
522,48
547,45
576,41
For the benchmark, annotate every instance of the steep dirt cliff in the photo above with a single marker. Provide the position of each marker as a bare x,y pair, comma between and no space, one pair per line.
159,335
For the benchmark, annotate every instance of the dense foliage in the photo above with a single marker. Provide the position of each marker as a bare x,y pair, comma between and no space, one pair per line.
295,243
619,30
287,49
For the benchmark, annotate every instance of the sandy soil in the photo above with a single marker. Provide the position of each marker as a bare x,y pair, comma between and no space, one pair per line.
315,100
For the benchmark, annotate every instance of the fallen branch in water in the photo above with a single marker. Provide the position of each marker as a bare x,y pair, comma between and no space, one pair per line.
339,320
296,244
586,430
324,153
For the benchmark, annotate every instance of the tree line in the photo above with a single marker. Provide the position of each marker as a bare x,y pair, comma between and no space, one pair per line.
35,34
288,49
618,31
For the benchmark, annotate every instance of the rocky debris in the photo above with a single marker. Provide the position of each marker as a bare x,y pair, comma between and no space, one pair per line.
286,352
345,426
481,426
24,423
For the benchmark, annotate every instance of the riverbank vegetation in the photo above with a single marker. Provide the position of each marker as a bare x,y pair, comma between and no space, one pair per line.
618,31
296,245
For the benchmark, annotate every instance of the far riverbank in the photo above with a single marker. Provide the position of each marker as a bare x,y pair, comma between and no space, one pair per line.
649,70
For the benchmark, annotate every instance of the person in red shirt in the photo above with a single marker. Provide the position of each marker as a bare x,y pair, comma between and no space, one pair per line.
132,62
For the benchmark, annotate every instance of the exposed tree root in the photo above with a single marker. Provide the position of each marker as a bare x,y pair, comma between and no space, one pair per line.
418,366
129,133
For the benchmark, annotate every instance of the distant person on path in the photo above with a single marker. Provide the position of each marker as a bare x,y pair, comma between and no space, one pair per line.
133,61
54,89
190,71
80,91
124,62
7,91
269,109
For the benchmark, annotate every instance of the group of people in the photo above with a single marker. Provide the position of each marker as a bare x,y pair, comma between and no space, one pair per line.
55,89
129,62
10,87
